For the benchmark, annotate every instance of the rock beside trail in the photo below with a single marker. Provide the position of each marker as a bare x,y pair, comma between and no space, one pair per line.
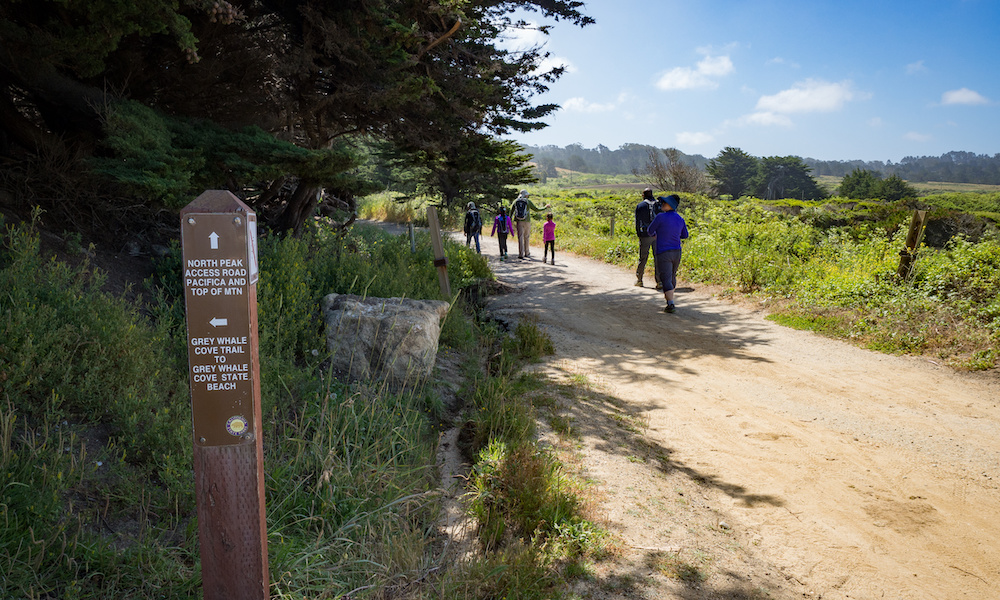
390,339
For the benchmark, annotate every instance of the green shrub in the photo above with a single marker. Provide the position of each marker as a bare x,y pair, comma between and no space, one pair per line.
519,492
966,276
93,421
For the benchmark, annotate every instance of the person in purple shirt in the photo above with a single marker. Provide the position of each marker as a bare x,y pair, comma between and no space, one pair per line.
502,224
669,229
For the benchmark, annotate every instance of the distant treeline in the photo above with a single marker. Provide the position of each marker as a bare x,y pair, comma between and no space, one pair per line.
602,160
953,167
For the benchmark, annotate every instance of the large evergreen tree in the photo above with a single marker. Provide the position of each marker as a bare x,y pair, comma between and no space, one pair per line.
860,183
425,74
733,169
785,177
893,188
864,184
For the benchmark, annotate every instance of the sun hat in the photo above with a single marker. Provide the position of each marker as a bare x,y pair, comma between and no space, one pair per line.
673,200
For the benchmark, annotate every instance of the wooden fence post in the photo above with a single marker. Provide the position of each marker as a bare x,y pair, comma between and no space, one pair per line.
908,255
440,260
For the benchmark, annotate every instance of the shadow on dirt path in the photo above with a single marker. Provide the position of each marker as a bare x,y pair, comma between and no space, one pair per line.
740,459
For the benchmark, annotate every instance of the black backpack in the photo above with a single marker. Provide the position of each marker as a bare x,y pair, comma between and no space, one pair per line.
520,209
502,223
644,218
477,223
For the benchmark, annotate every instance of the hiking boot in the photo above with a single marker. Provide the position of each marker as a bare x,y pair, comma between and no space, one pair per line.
638,283
669,308
659,287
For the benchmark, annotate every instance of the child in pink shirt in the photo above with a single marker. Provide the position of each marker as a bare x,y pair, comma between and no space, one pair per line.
549,237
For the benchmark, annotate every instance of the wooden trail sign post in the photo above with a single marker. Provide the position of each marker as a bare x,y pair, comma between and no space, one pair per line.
219,242
440,260
908,255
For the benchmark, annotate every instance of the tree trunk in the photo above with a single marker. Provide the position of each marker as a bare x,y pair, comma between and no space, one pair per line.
300,206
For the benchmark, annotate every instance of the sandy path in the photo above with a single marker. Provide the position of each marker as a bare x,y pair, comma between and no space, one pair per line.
837,472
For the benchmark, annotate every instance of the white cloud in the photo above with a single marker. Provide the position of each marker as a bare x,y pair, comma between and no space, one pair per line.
963,96
915,67
715,66
531,37
766,118
552,62
694,138
582,105
914,136
811,95
703,76
521,39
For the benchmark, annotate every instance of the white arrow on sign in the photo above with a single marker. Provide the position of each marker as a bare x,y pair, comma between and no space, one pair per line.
214,239
217,322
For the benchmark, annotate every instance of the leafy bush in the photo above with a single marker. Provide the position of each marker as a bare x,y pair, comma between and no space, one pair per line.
967,277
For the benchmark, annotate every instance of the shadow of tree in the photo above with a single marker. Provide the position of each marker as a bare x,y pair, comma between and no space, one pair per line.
618,426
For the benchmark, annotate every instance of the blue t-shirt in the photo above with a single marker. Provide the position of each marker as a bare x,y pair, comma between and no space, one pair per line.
669,229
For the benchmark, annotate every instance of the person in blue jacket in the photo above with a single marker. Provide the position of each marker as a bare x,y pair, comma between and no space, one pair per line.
645,212
669,228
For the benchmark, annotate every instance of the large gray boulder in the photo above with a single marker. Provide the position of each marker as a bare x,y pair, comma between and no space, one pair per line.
391,339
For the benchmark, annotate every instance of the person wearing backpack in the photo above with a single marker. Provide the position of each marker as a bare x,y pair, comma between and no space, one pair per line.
502,227
645,212
473,225
520,210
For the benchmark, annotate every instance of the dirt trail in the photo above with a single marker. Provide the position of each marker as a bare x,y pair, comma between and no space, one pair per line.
803,466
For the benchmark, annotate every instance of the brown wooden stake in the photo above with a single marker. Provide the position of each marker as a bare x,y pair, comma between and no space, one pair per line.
219,242
908,255
440,260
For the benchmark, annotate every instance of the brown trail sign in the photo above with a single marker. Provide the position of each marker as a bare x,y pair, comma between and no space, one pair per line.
219,241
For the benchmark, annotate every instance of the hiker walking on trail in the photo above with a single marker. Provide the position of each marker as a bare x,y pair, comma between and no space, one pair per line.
645,212
520,210
502,227
669,229
549,238
473,225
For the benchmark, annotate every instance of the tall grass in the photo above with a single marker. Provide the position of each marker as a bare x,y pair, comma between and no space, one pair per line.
528,510
395,208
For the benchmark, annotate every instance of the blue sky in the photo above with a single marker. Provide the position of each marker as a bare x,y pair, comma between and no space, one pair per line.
832,80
